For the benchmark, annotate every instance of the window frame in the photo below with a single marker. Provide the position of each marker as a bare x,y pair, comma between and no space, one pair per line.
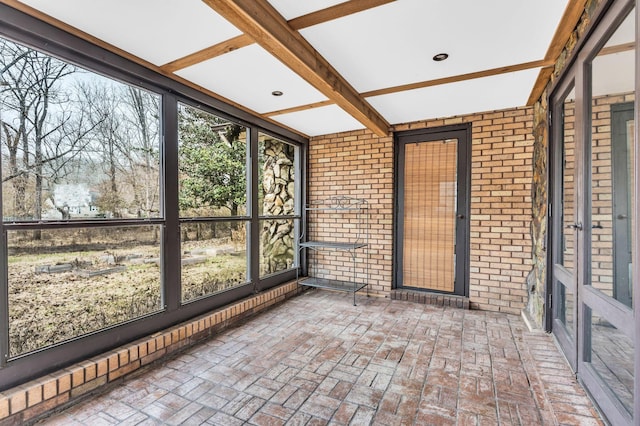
248,287
296,217
34,33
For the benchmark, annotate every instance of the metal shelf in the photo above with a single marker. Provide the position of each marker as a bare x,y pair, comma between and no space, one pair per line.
332,245
353,211
349,286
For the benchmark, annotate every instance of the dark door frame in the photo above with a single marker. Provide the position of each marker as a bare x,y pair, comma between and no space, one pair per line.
462,132
606,19
556,221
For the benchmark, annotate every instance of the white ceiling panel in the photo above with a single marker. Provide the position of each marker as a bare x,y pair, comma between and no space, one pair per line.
393,44
248,76
293,8
158,31
464,97
320,121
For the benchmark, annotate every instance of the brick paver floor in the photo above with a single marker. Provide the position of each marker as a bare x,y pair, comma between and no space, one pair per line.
316,360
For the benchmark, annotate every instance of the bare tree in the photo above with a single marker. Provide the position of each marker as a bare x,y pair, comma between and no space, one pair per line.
103,102
45,127
126,146
144,149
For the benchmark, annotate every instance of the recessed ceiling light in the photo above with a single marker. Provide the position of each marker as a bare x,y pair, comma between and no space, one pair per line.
440,57
276,93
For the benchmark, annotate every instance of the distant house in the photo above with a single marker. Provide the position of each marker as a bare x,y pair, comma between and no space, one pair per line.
71,200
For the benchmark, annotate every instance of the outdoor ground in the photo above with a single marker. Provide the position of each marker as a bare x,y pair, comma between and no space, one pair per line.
60,288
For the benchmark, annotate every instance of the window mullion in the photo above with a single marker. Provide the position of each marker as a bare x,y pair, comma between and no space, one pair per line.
171,237
252,194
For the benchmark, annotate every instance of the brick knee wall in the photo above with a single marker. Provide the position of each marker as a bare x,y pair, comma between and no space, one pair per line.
360,164
28,402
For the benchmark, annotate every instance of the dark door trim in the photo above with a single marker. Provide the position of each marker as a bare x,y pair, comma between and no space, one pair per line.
558,277
462,132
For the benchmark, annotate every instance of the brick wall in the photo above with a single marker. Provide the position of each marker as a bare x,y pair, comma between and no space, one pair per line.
356,164
361,164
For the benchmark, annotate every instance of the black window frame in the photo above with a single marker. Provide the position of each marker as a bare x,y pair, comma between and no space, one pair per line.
34,33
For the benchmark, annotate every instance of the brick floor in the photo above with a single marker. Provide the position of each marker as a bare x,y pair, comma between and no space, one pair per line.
317,360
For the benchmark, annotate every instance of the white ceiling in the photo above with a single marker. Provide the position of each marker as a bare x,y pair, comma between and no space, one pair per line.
320,121
248,76
293,8
394,44
379,48
464,97
158,31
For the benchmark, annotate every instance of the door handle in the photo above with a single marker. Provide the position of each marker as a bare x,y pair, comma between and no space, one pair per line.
577,226
460,216
622,216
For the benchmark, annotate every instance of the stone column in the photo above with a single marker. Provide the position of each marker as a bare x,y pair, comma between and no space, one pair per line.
278,188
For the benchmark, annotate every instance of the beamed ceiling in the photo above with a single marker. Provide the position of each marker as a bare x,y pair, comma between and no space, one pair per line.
340,65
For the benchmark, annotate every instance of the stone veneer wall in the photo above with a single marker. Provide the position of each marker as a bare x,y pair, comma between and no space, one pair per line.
278,183
538,277
361,164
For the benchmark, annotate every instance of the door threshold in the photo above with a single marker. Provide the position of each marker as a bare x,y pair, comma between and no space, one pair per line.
429,298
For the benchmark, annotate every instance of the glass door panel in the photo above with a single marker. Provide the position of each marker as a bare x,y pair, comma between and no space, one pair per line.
606,293
611,171
592,213
608,354
565,226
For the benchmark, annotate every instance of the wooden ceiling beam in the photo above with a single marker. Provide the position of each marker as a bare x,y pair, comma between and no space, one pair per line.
260,21
334,12
568,22
455,78
421,84
299,108
305,21
617,48
208,53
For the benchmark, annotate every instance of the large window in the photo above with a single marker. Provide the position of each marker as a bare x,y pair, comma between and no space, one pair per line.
129,202
213,185
76,147
73,281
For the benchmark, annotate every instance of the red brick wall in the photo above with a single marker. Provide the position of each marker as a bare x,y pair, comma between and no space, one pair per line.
360,164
